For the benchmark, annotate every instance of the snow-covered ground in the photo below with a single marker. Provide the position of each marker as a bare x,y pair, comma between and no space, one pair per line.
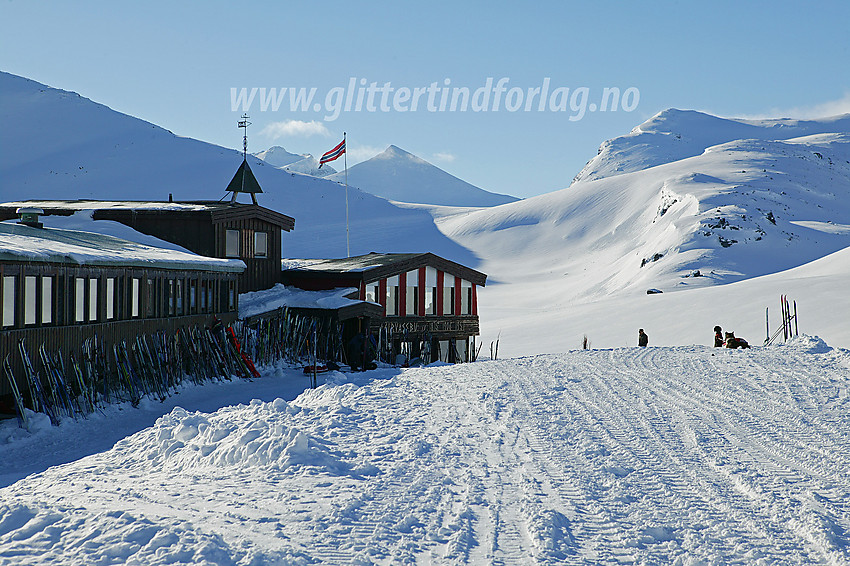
674,455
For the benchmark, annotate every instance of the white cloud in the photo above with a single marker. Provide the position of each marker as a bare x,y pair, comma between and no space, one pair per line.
293,128
830,108
820,110
443,156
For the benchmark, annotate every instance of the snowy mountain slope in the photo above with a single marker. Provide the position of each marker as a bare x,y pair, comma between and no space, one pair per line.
294,162
675,134
401,176
741,209
580,260
60,145
646,456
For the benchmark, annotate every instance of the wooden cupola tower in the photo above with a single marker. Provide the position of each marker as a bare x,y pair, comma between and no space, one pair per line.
244,180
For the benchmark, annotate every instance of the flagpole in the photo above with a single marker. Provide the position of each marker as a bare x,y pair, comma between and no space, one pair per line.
345,156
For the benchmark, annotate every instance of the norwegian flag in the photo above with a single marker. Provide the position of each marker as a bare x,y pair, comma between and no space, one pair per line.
333,154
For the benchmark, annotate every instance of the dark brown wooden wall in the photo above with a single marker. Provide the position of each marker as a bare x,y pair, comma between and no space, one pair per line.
260,273
156,310
191,231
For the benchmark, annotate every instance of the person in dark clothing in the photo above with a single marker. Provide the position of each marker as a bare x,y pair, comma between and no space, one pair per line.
217,330
643,339
361,352
718,337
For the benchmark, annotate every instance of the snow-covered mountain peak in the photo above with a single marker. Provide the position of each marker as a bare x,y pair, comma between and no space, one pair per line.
278,156
395,152
399,175
673,134
676,204
303,163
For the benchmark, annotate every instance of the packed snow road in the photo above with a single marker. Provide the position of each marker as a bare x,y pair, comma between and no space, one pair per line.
684,455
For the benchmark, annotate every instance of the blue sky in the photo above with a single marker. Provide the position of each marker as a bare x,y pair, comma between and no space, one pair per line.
175,63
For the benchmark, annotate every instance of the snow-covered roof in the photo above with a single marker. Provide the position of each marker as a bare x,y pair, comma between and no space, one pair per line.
26,243
280,296
372,266
101,204
345,265
126,210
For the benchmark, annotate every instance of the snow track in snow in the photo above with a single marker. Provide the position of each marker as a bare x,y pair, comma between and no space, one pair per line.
679,455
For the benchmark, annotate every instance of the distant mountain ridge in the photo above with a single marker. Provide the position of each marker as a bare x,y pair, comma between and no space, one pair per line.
398,175
686,200
673,134
60,145
294,162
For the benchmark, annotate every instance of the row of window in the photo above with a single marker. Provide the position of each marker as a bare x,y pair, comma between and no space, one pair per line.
233,244
51,300
412,304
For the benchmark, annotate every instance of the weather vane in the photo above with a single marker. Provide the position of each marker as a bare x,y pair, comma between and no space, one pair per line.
244,123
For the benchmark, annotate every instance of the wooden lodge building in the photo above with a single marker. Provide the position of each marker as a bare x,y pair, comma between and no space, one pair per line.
429,305
60,288
228,230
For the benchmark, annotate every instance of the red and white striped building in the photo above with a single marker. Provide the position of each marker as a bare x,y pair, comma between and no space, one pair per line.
429,304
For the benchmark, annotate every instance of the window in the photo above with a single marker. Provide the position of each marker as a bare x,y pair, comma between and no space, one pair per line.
193,297
231,243
231,296
61,300
430,291
261,244
444,350
179,292
92,299
8,300
466,298
411,297
30,299
448,295
134,298
170,292
151,299
392,296
109,298
461,349
372,291
46,300
430,300
79,299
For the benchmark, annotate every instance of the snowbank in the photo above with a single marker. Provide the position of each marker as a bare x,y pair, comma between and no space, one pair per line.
280,296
